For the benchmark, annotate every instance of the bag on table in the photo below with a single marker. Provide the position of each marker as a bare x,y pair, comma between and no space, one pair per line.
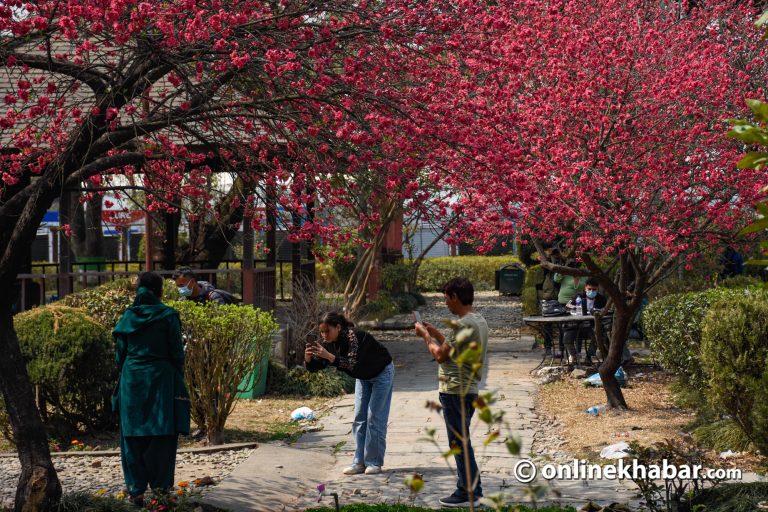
552,308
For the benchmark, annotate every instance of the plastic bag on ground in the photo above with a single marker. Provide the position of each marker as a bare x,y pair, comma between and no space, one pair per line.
595,380
303,413
615,451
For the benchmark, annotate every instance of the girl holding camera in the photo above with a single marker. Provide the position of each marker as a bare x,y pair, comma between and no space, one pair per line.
359,355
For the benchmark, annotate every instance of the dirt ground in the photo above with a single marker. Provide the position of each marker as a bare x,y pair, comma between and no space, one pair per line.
263,419
269,418
653,417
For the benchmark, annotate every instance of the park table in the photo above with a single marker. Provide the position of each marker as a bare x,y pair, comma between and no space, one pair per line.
559,321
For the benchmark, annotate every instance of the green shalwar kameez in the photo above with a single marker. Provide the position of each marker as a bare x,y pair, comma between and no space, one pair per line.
151,398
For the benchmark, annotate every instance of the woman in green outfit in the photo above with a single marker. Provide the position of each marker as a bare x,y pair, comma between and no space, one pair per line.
151,398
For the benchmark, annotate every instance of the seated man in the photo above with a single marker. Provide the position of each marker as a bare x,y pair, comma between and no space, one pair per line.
200,291
574,332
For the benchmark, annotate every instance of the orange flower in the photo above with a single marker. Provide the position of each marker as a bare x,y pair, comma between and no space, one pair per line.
180,492
183,484
75,441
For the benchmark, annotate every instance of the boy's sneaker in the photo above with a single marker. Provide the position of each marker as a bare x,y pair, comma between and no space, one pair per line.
373,470
455,501
354,469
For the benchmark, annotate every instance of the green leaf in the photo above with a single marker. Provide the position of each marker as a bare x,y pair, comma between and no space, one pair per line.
758,225
757,262
762,208
762,19
452,452
514,445
753,160
760,110
485,415
749,134
490,437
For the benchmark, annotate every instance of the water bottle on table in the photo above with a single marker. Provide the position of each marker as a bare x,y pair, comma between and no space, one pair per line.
577,310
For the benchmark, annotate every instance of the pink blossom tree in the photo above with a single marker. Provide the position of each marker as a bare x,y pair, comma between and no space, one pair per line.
600,124
305,102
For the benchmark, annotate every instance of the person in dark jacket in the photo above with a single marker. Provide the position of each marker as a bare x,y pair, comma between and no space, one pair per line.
590,300
200,291
359,355
151,398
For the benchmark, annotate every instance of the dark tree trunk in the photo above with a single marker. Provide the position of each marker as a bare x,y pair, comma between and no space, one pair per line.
39,488
619,332
87,235
210,237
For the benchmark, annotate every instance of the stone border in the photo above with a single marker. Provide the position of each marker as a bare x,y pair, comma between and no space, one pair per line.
113,453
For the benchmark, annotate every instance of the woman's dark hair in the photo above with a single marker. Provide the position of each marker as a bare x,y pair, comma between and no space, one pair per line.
152,282
592,281
335,319
462,288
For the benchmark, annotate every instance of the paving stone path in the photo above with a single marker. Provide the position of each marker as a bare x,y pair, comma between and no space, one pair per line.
283,477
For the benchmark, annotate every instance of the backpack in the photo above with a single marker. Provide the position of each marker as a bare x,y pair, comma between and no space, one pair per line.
226,297
552,308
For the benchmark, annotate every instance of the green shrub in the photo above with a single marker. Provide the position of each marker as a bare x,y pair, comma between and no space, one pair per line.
107,303
378,310
740,497
224,345
723,435
326,277
672,325
405,302
734,353
394,277
298,381
71,363
699,283
434,272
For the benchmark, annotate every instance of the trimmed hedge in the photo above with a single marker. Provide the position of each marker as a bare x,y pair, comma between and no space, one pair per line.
71,363
434,272
673,324
734,354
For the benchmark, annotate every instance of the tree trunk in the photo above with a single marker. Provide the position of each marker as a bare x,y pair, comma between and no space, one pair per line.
38,488
215,437
619,332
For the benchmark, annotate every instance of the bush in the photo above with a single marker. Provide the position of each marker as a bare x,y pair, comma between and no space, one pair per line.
732,497
224,345
71,363
405,302
377,310
395,276
734,353
298,381
107,303
723,435
434,272
673,326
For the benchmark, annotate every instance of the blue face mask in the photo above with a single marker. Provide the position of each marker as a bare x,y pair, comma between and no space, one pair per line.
591,294
185,291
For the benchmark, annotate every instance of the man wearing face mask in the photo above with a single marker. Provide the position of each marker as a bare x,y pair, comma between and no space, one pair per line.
591,300
200,291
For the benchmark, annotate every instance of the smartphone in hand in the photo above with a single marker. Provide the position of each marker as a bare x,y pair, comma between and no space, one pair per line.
417,317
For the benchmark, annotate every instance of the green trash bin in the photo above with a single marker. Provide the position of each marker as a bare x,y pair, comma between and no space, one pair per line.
255,383
91,263
510,278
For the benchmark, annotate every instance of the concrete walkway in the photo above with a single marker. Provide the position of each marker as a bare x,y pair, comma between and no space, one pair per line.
280,477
